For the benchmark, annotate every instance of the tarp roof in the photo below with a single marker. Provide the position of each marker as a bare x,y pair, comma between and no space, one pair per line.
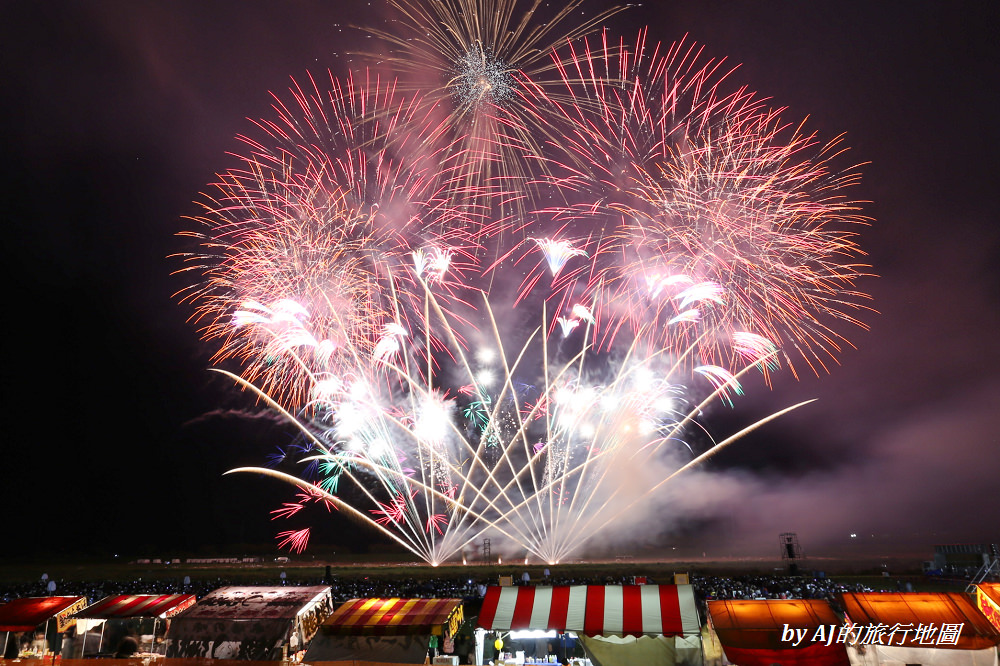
621,610
137,605
927,608
250,603
28,612
389,617
248,623
753,631
758,623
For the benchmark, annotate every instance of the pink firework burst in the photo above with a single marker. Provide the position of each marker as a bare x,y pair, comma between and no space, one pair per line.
324,211
287,510
395,510
670,175
436,521
296,541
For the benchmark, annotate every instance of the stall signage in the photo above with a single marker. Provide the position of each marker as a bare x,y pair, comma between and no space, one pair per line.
63,619
988,607
455,621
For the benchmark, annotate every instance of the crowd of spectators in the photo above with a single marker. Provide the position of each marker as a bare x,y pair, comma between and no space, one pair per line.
784,587
456,586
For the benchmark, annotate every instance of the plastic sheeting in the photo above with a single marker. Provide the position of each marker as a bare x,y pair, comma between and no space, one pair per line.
392,649
645,650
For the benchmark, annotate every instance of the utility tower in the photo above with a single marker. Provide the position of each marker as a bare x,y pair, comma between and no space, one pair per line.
790,550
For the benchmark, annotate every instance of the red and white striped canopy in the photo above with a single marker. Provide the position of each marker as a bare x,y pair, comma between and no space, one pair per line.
138,605
593,610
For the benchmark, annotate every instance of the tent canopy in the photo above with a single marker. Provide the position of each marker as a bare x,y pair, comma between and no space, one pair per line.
137,605
390,617
619,610
759,623
912,609
753,631
251,603
28,612
250,623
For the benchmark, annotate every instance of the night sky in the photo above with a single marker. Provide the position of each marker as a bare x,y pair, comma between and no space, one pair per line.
117,114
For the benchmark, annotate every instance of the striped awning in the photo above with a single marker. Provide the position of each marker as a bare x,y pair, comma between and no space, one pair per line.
593,610
389,617
137,605
29,612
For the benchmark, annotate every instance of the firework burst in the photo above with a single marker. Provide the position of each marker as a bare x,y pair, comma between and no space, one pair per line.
688,237
468,58
303,246
702,207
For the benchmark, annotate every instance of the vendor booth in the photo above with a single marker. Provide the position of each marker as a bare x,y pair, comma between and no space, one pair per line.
248,623
944,629
101,626
616,624
43,619
988,602
386,630
762,632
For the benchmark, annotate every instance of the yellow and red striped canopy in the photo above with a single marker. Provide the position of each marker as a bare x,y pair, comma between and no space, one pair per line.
387,617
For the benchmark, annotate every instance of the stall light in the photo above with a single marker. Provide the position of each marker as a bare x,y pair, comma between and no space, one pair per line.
518,634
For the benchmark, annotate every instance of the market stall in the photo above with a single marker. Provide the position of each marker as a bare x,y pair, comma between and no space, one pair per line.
44,618
387,630
143,615
943,628
616,624
249,623
761,632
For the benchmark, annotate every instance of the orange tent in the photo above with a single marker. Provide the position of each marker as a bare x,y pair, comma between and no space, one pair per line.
953,621
760,632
